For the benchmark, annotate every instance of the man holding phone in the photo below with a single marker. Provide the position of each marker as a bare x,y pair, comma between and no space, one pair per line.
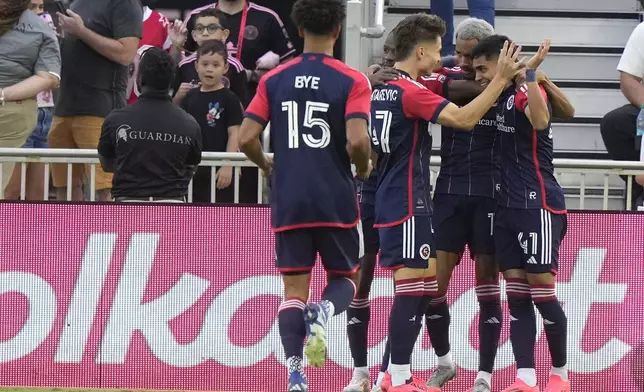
100,41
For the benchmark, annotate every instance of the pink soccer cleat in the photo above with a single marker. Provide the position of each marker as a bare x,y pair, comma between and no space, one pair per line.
416,385
557,384
520,386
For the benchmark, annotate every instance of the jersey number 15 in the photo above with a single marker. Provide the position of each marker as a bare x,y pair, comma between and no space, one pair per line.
310,121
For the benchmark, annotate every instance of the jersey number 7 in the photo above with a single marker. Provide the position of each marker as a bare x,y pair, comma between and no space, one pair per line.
384,116
310,120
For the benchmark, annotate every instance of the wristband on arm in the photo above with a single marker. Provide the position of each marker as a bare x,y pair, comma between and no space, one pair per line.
531,75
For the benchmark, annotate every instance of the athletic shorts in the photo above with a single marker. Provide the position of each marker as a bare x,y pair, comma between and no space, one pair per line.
528,239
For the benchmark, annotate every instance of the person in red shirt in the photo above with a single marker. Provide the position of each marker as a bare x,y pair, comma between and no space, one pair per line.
155,35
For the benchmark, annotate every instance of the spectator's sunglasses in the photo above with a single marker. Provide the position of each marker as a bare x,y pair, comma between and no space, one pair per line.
210,28
33,7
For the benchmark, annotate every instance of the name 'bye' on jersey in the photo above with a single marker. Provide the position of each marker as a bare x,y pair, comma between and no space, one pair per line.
469,162
400,114
527,172
308,101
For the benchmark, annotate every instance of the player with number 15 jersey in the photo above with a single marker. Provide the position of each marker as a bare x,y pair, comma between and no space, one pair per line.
319,110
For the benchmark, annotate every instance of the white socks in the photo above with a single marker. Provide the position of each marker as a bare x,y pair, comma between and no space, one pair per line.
528,376
561,372
485,376
399,374
446,361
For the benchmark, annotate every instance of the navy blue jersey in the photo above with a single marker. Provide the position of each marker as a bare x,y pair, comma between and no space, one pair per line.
527,171
308,101
469,162
400,113
367,188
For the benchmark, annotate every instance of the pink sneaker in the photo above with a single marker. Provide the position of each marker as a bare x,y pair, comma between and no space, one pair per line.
520,386
557,384
416,385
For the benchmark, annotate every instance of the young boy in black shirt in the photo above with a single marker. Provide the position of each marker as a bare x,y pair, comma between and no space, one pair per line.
219,113
210,25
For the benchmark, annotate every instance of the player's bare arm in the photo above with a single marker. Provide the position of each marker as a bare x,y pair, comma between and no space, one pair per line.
467,116
537,110
561,106
359,146
250,145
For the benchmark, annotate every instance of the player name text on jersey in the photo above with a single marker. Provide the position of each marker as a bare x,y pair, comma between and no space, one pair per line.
384,95
311,82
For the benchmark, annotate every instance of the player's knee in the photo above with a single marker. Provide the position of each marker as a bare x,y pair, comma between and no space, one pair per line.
515,274
487,268
296,285
547,278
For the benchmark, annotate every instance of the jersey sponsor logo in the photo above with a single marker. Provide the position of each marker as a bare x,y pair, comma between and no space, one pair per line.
425,251
500,124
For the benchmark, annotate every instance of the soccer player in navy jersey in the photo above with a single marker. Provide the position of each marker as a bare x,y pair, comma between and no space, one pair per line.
401,111
465,204
319,110
530,222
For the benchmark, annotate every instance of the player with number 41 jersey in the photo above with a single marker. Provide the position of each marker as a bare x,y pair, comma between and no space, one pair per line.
401,111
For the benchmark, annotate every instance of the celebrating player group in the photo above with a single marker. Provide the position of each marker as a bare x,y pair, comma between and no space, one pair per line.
496,193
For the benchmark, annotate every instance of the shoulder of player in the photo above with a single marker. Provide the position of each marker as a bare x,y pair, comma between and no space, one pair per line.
267,11
347,70
409,84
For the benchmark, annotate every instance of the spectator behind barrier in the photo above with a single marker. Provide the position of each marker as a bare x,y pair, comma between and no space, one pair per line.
618,128
262,44
219,114
100,42
35,174
481,9
29,65
210,24
155,35
152,146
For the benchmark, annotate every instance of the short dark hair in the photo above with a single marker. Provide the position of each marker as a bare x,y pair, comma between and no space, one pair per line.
156,69
490,47
215,13
415,29
319,17
213,47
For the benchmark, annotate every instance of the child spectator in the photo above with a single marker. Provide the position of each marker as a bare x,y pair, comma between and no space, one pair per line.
210,24
219,113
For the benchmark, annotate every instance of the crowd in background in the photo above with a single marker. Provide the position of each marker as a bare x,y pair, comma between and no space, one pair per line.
101,45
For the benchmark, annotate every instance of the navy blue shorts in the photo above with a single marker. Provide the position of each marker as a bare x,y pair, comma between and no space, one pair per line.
528,239
371,237
410,244
464,220
339,249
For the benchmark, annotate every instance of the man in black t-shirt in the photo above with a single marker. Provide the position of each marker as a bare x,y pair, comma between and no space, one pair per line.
151,146
219,113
